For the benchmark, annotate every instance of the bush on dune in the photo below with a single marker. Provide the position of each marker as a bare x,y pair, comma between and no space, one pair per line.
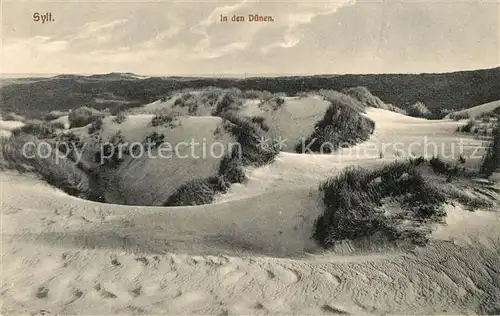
418,109
341,126
95,126
83,116
70,143
11,116
341,98
364,96
197,192
491,160
231,168
441,167
354,199
457,116
61,173
263,96
162,119
120,117
248,135
53,115
37,128
112,153
229,101
467,128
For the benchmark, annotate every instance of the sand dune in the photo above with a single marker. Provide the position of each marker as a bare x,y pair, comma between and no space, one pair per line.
477,110
64,255
249,253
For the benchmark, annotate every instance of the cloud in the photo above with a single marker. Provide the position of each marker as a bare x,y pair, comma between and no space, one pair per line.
302,15
99,30
36,45
205,48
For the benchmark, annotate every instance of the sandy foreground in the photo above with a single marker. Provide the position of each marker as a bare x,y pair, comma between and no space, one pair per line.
250,253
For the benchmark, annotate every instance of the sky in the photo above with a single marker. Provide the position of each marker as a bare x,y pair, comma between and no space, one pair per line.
165,38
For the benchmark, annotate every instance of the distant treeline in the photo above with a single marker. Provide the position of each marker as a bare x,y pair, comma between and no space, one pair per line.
455,91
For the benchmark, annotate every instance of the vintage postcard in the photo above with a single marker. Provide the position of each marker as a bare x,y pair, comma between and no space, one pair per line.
241,157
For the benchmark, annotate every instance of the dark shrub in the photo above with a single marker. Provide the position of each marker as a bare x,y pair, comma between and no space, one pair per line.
162,119
459,116
58,125
60,173
155,139
37,128
52,115
491,160
197,192
111,153
260,121
441,167
467,128
69,144
95,126
248,135
263,96
278,103
231,168
418,109
120,117
179,102
11,116
341,126
83,116
229,101
353,203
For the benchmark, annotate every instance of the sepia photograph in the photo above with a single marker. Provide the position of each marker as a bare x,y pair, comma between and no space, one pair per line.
245,157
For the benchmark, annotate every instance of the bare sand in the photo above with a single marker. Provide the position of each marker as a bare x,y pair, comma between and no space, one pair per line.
250,253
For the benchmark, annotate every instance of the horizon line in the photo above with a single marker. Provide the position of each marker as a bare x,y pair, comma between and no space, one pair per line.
230,75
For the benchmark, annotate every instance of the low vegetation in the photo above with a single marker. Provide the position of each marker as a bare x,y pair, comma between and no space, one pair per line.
467,128
162,119
198,192
154,139
451,171
364,96
354,199
95,126
230,101
69,143
418,109
84,116
457,116
491,161
250,136
11,116
37,128
120,117
53,115
341,126
61,173
113,152
247,132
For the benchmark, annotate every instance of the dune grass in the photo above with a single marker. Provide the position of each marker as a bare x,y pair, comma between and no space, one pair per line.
364,96
341,126
231,168
394,203
61,173
53,115
491,161
198,192
354,199
83,116
37,128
